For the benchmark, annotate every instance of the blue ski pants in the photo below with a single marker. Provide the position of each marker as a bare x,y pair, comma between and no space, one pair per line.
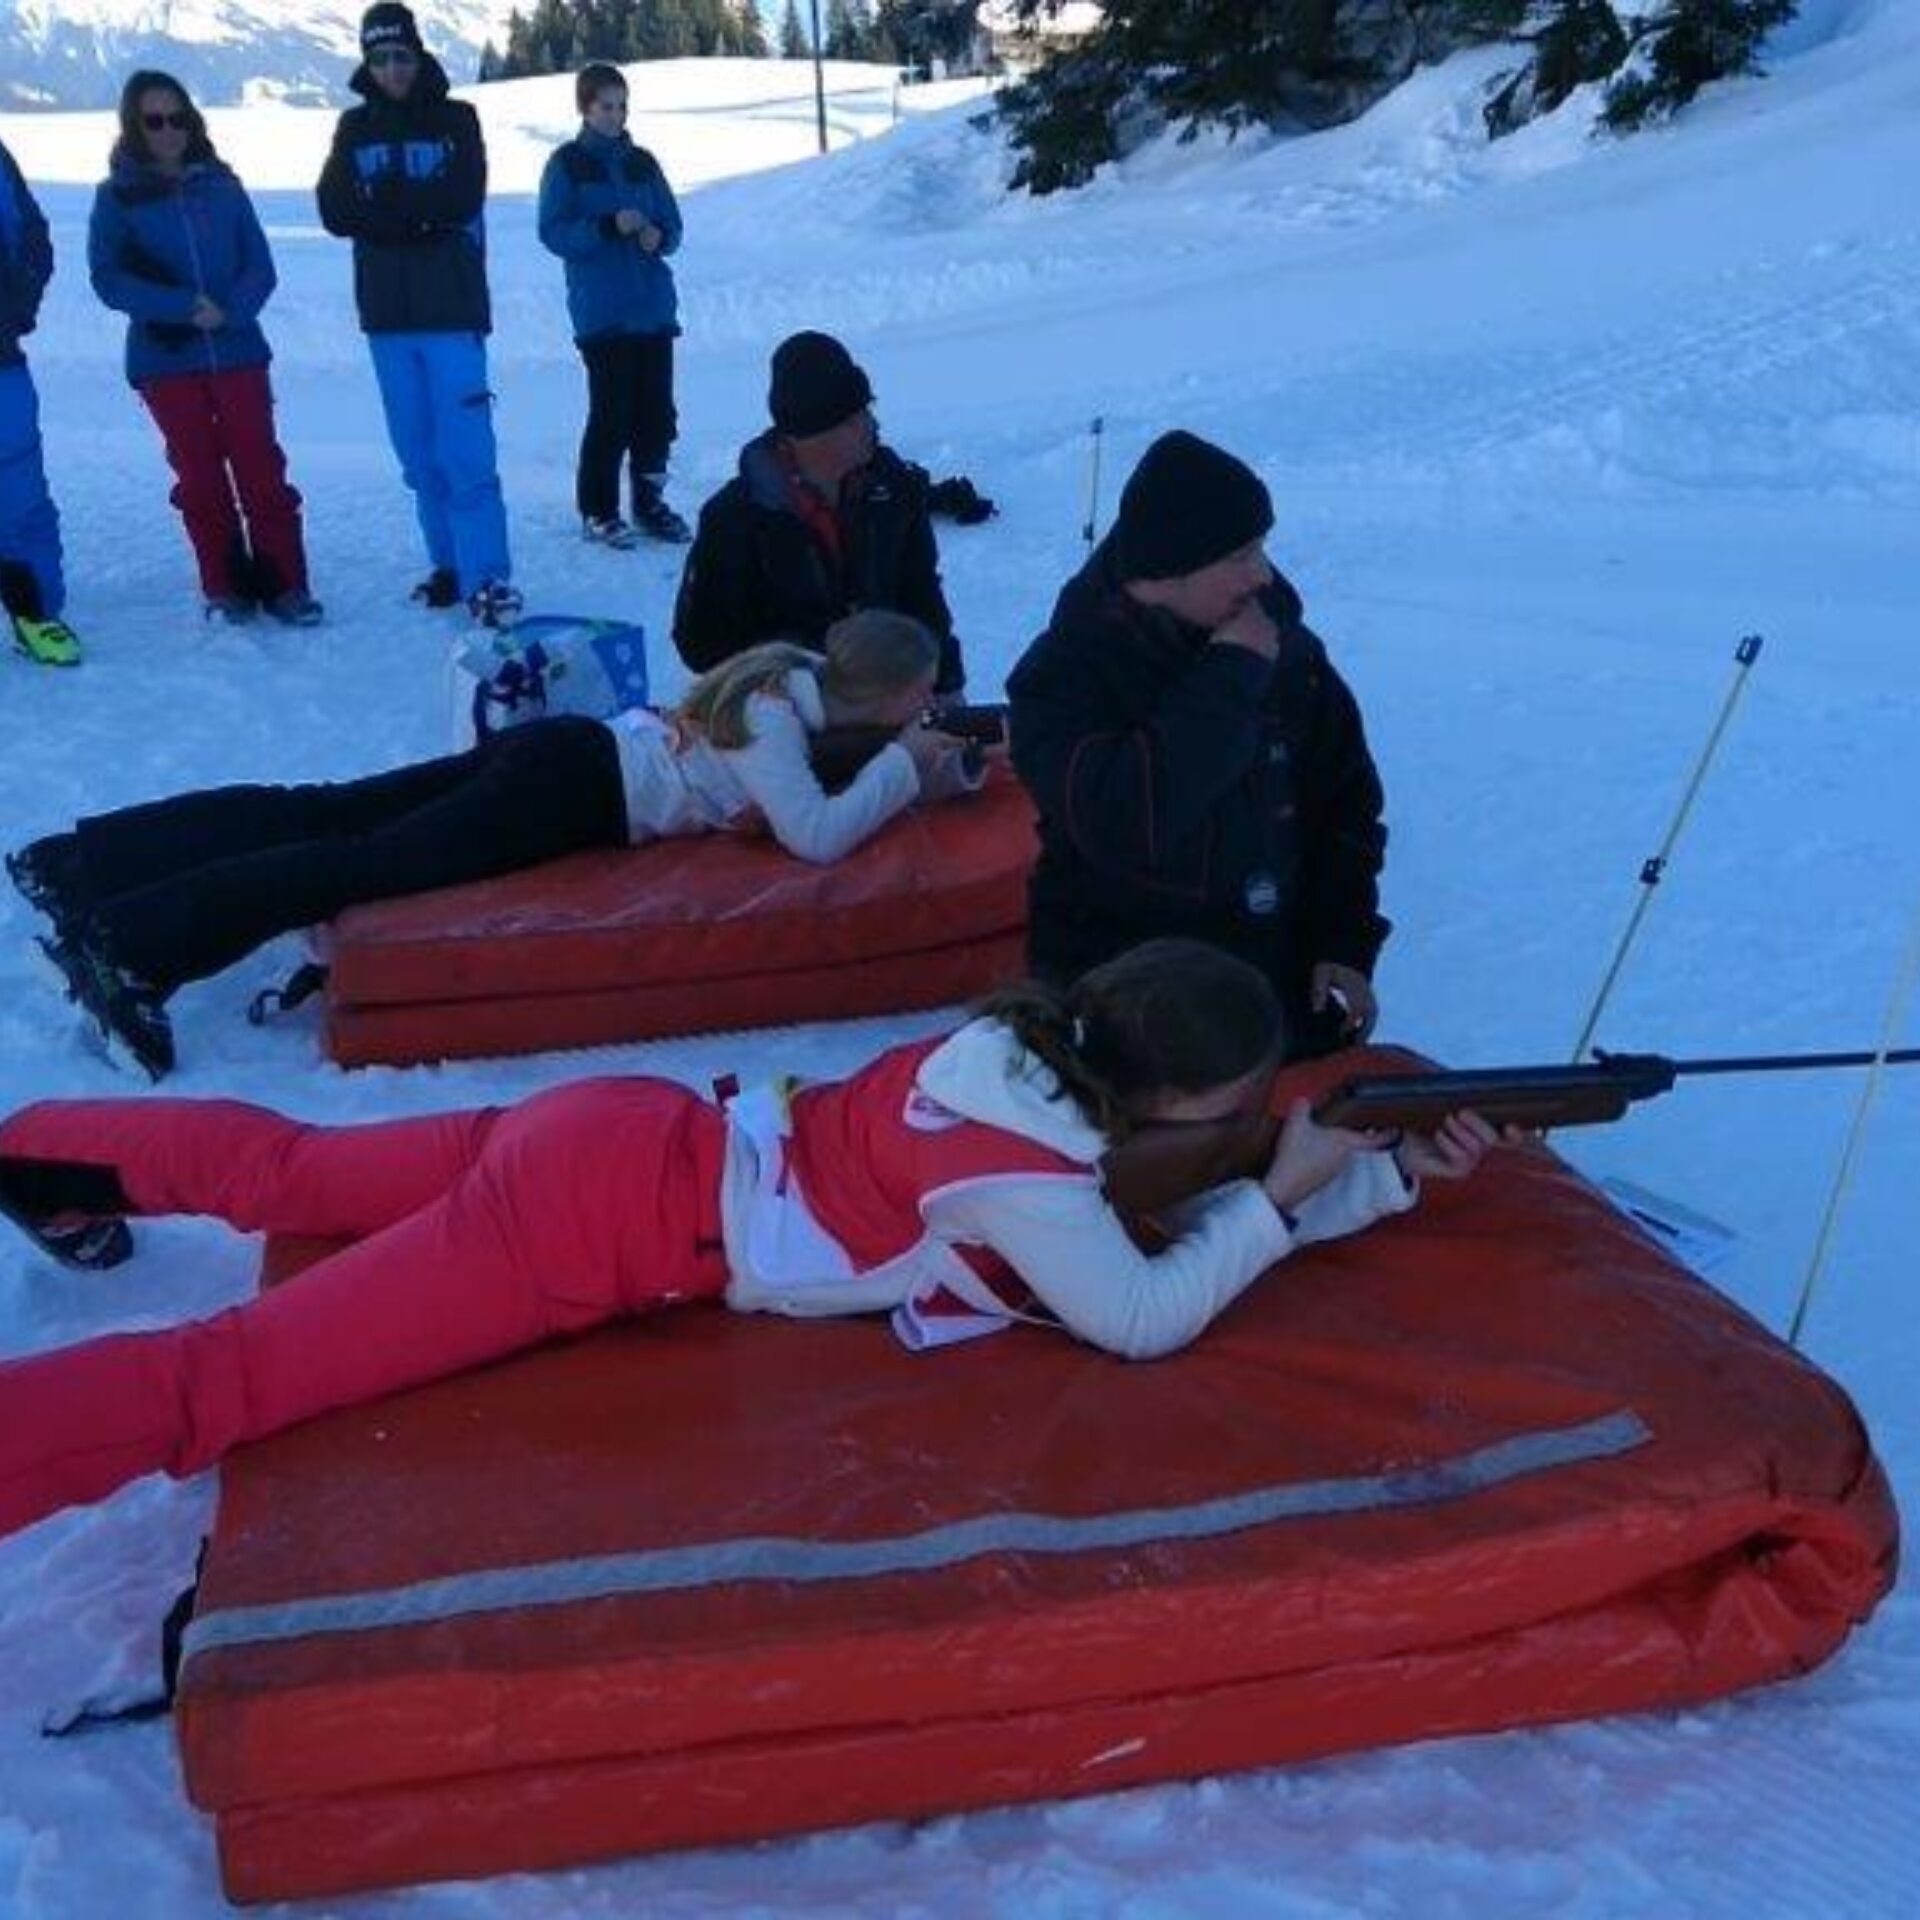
440,421
30,564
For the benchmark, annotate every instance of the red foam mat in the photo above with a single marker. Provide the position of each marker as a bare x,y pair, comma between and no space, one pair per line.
710,1578
536,1022
684,936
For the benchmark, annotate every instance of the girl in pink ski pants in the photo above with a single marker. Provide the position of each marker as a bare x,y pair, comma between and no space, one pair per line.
510,1226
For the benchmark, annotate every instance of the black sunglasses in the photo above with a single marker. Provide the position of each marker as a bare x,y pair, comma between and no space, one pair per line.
392,57
180,122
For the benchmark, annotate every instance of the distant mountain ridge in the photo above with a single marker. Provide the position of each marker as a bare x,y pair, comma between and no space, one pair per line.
76,53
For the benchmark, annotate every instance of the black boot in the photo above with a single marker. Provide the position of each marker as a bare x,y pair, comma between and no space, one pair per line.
655,518
130,1012
51,876
70,1209
441,588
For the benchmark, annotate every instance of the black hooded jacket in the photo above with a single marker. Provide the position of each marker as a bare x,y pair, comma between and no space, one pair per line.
406,182
756,571
1189,788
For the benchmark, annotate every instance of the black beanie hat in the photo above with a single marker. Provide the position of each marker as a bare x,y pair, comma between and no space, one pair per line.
1187,504
816,384
389,25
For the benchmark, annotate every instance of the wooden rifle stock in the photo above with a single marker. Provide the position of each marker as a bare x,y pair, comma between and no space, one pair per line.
1160,1166
1157,1167
838,753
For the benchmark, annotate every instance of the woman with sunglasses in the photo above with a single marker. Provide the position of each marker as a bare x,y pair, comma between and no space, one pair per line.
961,1172
175,245
607,211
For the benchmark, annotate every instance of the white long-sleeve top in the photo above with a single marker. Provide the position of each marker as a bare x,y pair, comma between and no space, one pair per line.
1056,1230
676,782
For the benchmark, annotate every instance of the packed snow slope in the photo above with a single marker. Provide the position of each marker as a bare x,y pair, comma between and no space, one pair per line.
1549,427
705,119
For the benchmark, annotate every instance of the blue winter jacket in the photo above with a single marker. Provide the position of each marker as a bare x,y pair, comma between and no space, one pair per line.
158,242
613,284
26,260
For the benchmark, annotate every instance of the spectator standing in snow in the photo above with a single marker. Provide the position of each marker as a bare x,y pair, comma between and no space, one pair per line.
174,244
1198,765
33,584
820,520
406,182
607,211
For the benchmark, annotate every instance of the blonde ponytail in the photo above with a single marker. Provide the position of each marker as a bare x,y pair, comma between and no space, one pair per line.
715,706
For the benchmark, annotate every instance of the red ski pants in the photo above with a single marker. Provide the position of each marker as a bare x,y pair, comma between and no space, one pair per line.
227,464
483,1232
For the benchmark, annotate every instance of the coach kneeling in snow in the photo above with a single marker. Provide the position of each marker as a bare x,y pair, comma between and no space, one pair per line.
820,521
1198,765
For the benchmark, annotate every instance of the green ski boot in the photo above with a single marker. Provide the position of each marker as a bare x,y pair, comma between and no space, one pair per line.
50,642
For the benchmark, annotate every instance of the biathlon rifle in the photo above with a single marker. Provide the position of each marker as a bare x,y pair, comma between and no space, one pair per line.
1160,1165
838,753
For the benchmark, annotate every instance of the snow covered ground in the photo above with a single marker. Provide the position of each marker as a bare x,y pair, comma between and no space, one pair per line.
1550,426
705,119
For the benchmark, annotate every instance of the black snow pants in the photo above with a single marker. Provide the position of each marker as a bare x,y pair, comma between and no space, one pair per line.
180,888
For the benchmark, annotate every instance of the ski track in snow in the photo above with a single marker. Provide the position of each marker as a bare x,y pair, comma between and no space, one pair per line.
1549,426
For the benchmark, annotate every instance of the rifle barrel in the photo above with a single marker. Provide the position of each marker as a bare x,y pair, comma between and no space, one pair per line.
1780,1062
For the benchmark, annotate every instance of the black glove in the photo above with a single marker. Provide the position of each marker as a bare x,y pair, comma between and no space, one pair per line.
959,499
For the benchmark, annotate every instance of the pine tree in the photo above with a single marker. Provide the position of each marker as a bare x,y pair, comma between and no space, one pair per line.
1686,44
1153,64
794,44
560,36
1573,41
1195,63
921,32
849,29
750,31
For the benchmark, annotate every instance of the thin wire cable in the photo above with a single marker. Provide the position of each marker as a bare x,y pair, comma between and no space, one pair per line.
1897,1003
1099,432
1652,870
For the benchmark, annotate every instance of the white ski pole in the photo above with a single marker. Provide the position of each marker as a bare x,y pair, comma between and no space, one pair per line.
1897,1003
1654,868
1098,433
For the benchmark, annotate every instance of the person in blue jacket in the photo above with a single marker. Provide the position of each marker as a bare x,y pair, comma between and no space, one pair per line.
607,211
175,245
406,182
33,584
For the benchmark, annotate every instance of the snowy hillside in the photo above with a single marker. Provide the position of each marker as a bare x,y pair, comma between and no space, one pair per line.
75,53
1549,426
705,119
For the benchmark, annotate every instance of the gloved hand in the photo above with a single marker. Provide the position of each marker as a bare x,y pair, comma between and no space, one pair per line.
957,498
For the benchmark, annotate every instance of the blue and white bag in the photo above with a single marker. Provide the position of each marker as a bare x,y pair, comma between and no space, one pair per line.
550,663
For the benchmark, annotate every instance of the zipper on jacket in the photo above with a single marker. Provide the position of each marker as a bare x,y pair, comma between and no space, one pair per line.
199,276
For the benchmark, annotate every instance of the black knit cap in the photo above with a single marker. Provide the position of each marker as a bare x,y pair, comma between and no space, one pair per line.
816,384
389,25
1187,504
